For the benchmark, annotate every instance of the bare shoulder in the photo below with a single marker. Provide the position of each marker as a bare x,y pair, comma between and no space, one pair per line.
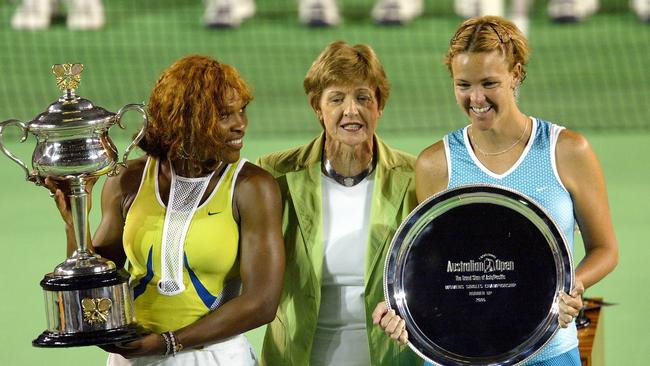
432,160
127,182
577,163
254,180
256,194
431,175
572,145
253,174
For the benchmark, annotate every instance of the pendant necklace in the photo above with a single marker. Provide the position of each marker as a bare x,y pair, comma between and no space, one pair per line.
348,181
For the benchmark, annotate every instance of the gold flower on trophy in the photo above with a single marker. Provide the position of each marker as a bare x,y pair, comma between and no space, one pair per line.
68,76
96,310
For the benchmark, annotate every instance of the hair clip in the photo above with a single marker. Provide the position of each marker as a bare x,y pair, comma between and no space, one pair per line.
497,33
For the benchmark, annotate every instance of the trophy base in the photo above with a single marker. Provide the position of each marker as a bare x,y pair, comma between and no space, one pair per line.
94,338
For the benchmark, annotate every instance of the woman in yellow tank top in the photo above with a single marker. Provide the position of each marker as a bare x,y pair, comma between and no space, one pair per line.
200,226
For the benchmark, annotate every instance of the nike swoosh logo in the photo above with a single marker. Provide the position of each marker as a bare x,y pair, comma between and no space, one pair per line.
213,213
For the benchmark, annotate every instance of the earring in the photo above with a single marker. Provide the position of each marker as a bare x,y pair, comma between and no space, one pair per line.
515,92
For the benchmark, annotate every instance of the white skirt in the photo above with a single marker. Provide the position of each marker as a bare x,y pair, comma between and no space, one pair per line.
235,351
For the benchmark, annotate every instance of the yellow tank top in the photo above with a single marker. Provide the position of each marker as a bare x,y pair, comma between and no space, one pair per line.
211,266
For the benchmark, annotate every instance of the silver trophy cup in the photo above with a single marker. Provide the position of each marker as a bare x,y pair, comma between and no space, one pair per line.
87,299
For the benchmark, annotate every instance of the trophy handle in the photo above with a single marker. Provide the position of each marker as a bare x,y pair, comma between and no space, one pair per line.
138,137
11,156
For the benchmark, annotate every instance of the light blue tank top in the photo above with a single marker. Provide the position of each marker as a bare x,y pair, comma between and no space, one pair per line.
535,175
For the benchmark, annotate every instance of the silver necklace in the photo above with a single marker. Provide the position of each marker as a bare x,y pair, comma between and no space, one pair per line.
498,152
347,181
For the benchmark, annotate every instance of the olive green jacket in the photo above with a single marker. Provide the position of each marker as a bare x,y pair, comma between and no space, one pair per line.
289,337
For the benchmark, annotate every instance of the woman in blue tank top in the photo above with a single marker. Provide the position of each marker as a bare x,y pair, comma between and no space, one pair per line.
501,145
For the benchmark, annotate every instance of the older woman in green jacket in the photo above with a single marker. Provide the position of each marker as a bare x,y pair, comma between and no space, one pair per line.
344,195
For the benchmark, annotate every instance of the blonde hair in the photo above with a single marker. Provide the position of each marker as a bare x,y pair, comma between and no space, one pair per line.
342,64
487,34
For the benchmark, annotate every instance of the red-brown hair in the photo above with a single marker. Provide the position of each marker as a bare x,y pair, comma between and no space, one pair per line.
185,107
342,64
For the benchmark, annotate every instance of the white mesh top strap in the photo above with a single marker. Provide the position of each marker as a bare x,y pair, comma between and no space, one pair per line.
184,197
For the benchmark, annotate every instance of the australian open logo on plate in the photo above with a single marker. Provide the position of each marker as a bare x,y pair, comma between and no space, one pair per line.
486,263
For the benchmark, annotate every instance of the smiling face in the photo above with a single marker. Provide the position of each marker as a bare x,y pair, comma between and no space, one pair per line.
197,113
349,114
231,128
484,87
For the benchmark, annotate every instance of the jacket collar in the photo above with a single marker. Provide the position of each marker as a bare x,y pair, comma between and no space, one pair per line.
311,154
391,185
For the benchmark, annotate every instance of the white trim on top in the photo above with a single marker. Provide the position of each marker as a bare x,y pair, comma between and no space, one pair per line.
445,142
514,166
234,178
554,136
156,185
216,187
144,175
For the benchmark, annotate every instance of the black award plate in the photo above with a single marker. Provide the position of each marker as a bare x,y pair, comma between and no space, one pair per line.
476,272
